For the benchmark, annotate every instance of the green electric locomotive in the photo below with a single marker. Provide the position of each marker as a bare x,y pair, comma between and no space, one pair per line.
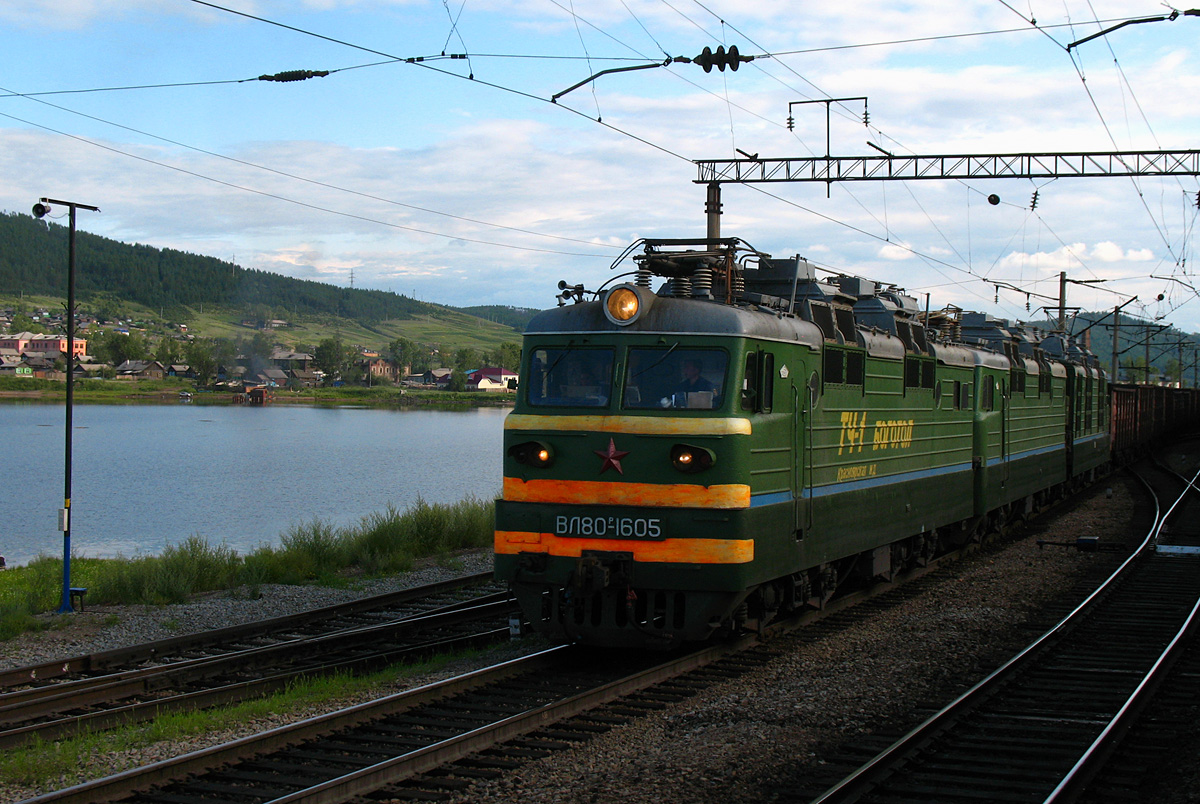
747,438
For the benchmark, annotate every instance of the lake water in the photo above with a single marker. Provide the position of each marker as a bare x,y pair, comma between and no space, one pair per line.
147,476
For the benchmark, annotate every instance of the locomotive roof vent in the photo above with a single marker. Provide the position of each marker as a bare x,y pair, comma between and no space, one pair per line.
987,330
1055,345
777,276
883,313
857,287
906,305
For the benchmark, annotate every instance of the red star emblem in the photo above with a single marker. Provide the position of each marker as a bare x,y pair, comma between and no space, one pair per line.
611,458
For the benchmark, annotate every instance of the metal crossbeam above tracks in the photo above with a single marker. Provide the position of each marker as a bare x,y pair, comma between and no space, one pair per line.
970,166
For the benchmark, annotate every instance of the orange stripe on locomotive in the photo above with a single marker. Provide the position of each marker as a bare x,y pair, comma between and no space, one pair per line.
678,551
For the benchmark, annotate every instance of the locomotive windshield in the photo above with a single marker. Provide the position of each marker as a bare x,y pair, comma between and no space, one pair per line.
670,377
570,377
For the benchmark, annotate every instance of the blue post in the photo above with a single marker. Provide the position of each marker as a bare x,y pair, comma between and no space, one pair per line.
40,210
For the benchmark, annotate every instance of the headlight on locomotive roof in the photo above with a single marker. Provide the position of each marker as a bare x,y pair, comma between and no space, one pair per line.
689,459
532,453
624,303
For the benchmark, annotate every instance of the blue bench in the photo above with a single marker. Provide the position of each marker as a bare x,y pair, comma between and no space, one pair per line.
77,593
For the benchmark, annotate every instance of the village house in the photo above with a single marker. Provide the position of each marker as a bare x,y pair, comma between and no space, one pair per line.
380,368
31,343
288,360
438,376
490,379
141,370
305,378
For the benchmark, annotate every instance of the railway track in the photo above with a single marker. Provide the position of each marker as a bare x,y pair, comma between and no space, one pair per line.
431,741
482,735
97,691
1046,723
359,750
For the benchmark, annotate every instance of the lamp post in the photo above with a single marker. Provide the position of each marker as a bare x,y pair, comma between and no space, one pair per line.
64,517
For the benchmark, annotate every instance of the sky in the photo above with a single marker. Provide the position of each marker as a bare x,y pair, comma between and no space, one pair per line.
459,181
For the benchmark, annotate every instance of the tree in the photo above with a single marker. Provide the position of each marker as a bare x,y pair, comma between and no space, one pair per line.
167,351
404,353
467,359
334,358
224,353
505,356
1174,370
200,359
257,351
23,323
117,347
1135,369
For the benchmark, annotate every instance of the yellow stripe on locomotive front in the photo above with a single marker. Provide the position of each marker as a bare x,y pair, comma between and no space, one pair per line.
657,495
630,425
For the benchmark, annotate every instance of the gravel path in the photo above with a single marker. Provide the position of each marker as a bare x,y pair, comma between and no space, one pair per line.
754,739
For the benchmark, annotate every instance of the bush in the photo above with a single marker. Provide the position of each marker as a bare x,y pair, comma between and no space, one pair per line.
384,542
182,570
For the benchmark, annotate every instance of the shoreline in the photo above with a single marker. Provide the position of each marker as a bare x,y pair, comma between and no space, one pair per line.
365,397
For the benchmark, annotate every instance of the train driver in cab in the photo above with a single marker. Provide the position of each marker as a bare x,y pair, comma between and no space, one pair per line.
695,390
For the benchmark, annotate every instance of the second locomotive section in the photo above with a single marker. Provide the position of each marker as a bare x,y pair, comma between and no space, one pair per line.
682,462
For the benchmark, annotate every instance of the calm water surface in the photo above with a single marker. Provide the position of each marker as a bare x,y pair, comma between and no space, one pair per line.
147,476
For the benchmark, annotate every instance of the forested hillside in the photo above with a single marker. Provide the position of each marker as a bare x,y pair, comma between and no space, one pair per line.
165,278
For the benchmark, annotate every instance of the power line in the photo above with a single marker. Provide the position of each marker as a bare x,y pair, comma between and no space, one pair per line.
286,199
315,182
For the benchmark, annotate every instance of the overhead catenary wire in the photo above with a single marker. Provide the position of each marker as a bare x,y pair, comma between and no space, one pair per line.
534,97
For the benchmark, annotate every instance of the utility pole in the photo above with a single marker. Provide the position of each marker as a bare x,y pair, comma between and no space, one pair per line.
1115,351
1062,301
1149,335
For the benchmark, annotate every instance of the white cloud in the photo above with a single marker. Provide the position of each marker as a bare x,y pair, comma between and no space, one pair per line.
896,251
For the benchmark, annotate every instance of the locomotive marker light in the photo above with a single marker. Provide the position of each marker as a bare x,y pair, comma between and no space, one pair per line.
689,459
40,210
625,303
532,453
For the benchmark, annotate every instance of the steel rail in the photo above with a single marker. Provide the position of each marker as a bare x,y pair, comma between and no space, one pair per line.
369,778
152,651
1084,770
93,689
397,769
112,788
857,783
230,693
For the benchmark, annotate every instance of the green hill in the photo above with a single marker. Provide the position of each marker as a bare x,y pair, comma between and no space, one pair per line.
217,298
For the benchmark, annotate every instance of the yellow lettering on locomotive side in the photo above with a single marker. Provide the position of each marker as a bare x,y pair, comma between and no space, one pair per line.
854,426
856,472
893,434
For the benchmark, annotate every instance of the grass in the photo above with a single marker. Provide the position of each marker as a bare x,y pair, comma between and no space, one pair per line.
316,552
448,329
73,760
140,391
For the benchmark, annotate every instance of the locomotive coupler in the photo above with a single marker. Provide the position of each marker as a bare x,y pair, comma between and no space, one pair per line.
595,572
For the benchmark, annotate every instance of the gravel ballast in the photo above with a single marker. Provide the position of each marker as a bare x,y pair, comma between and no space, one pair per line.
761,737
